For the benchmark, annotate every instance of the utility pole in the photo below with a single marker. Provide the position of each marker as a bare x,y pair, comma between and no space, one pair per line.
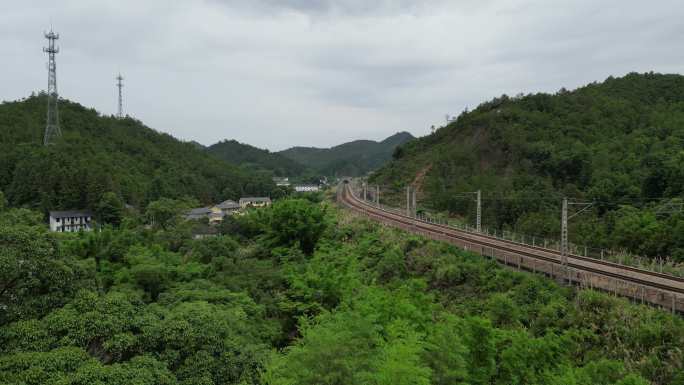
564,236
377,195
564,230
364,191
408,200
119,84
52,130
415,205
479,211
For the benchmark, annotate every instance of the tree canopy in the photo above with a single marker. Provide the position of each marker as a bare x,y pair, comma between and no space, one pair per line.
268,301
101,154
617,144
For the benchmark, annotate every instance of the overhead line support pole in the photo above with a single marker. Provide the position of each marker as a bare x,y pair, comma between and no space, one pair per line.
479,211
564,231
564,235
408,200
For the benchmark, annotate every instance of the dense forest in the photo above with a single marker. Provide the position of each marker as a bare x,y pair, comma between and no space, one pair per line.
301,293
349,159
99,154
243,154
617,144
309,164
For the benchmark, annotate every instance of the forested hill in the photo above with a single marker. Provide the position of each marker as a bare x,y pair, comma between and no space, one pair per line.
348,159
98,154
238,153
618,143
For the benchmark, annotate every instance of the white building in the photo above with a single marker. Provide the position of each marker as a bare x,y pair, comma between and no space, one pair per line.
254,202
281,181
307,188
70,221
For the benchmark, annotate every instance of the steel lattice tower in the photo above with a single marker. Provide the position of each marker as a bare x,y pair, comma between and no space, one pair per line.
52,131
119,84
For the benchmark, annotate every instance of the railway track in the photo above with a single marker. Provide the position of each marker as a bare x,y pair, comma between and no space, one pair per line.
641,285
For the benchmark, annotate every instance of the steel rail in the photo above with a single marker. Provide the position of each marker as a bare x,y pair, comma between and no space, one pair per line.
604,268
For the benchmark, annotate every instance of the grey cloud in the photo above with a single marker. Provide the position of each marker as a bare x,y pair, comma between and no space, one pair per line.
297,72
333,7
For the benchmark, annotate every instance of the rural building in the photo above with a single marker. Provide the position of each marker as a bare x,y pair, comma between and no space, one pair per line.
70,221
213,213
281,181
202,231
254,202
198,213
229,207
216,214
307,188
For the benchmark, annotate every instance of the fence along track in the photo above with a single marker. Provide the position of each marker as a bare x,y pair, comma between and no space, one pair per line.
643,286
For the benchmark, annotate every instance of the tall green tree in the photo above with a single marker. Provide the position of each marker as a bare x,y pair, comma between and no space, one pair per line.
110,209
33,277
296,222
166,212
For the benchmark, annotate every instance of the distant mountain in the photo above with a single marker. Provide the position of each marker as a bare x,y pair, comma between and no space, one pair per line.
98,154
348,159
242,154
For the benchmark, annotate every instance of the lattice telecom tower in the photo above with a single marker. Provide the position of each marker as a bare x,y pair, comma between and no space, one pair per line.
52,131
119,83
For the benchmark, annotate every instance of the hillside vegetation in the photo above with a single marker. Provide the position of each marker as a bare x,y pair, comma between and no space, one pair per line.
300,293
619,144
238,153
349,159
99,154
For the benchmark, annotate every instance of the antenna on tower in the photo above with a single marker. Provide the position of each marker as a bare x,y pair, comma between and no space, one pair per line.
119,83
52,130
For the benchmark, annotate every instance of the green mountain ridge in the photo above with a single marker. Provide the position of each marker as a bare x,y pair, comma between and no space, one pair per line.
618,143
238,153
349,159
99,153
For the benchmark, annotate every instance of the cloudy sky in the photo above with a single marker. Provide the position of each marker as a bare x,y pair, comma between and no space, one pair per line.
278,73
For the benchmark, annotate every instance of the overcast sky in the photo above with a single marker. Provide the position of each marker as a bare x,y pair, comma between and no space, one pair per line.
279,73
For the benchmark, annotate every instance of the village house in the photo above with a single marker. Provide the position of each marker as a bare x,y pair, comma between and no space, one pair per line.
201,231
281,181
228,207
215,214
254,202
198,213
70,221
212,213
306,188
